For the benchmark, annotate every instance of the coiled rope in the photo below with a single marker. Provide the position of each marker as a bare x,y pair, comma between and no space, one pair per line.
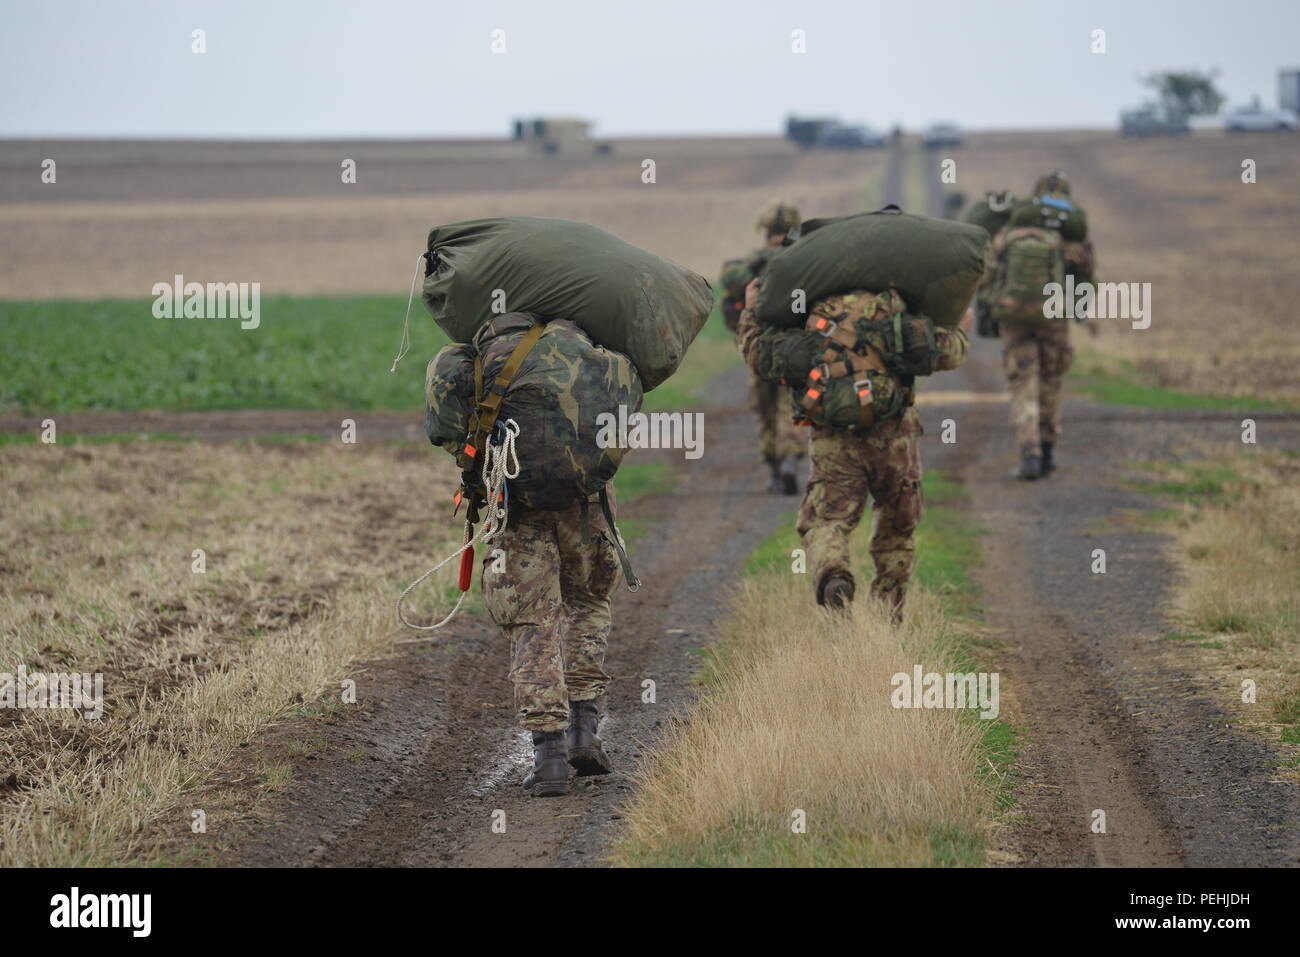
497,469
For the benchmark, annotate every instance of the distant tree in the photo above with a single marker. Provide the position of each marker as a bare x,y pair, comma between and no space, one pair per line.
1189,92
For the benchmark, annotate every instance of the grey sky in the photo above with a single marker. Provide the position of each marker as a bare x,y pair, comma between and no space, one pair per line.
343,68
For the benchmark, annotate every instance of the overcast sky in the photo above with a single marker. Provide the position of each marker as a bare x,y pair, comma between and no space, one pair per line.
426,68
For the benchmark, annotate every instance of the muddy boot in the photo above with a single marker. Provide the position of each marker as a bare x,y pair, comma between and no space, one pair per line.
836,592
1031,467
1048,463
550,774
789,472
775,484
585,751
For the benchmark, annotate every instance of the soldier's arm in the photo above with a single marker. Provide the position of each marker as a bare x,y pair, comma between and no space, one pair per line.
953,345
776,355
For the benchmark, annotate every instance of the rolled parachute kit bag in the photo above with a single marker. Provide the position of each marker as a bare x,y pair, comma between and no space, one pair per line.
1051,211
935,265
623,297
990,213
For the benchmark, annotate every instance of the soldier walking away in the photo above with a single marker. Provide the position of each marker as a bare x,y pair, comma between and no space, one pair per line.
875,451
550,570
781,443
1044,240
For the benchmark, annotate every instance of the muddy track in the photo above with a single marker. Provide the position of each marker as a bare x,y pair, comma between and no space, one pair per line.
1110,720
440,754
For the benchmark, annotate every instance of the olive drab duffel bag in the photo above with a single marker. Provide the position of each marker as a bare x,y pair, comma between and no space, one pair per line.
934,264
990,213
553,382
624,298
1054,211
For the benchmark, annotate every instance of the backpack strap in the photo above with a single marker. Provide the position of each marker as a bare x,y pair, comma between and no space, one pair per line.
486,409
629,576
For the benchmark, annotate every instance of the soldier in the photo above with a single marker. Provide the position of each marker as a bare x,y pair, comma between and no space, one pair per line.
548,577
780,442
1037,353
881,461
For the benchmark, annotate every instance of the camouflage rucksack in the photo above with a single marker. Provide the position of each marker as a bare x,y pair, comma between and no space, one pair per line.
561,383
1028,259
854,363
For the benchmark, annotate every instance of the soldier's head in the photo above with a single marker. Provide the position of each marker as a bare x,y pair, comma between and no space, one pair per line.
779,220
1053,182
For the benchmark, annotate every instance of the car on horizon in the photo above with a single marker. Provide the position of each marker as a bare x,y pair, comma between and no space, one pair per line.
1153,120
843,137
1255,118
941,134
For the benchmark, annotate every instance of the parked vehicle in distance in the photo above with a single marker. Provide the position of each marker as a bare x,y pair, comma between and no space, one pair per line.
840,136
941,134
1153,120
1249,119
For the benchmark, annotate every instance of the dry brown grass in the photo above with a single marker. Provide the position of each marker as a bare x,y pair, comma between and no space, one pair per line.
798,716
1239,557
306,546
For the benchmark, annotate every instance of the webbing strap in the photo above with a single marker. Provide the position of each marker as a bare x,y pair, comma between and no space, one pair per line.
486,408
629,576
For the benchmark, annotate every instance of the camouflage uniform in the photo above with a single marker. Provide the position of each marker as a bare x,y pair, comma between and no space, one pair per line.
552,600
778,437
1037,354
882,461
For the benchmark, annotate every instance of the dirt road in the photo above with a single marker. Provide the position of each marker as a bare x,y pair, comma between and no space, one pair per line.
442,754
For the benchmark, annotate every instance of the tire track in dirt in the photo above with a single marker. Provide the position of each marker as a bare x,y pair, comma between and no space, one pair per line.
436,724
1109,720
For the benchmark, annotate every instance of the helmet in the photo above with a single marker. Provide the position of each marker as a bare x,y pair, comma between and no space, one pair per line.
1053,182
779,217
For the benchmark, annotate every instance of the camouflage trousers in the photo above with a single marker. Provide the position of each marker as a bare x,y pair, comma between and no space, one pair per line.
1035,358
778,436
884,463
549,591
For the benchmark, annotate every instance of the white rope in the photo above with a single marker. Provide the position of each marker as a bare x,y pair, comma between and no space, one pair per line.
496,470
404,346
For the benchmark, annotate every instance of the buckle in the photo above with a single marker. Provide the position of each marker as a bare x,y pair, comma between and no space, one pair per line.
825,328
863,387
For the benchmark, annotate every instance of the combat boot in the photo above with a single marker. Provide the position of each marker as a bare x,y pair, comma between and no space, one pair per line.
1031,467
1049,463
789,476
836,592
775,484
550,774
586,753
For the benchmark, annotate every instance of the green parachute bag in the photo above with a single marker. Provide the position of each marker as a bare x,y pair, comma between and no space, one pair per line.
1051,211
1031,258
563,386
990,213
624,298
934,264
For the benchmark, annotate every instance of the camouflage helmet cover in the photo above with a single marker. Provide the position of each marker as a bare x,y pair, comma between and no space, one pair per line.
779,217
1053,182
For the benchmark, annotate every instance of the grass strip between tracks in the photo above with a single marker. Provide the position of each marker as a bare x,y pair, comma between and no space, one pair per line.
794,755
